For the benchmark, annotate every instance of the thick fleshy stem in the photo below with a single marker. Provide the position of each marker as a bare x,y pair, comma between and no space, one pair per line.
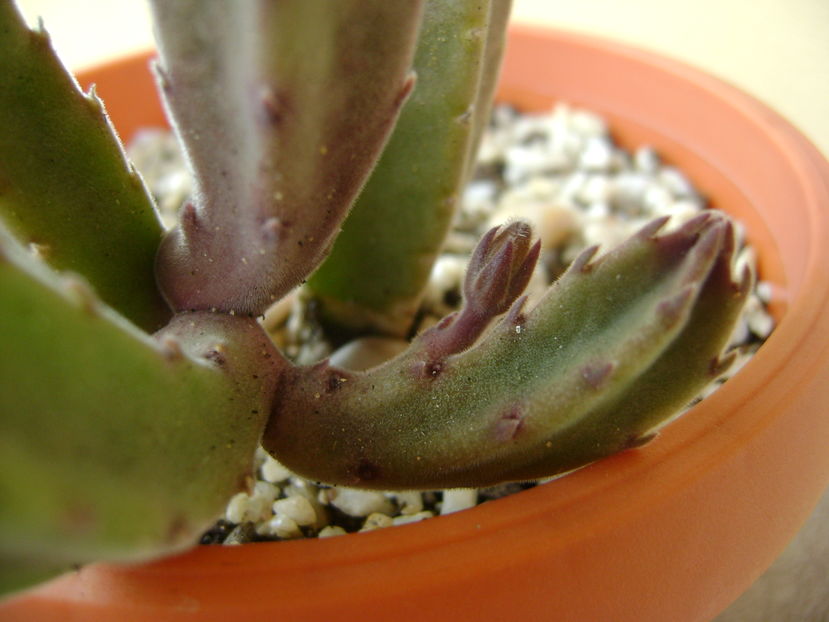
67,191
615,348
114,444
374,279
257,92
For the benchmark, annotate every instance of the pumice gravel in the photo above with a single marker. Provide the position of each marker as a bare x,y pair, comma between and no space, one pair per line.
561,171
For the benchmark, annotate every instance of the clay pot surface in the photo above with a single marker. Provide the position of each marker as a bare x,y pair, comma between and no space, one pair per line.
672,531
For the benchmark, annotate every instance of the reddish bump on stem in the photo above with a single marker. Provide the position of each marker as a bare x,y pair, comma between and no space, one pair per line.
671,309
596,374
510,423
171,348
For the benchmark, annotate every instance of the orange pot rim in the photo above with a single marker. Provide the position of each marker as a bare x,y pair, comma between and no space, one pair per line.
621,516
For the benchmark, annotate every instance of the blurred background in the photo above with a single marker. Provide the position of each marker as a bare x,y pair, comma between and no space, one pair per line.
777,50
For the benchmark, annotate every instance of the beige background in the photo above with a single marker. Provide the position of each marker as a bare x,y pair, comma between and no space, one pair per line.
778,50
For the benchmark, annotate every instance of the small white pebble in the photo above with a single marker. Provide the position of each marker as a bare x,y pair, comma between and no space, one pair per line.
266,491
297,508
246,508
607,232
758,319
646,160
572,186
458,499
331,531
587,123
524,160
272,471
627,189
235,510
676,182
657,199
596,188
598,210
764,291
409,502
681,211
761,324
280,526
597,154
300,486
376,521
558,224
480,194
447,275
359,502
278,312
258,508
411,518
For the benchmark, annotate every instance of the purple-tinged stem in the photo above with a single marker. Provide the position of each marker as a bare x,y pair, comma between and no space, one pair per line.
283,108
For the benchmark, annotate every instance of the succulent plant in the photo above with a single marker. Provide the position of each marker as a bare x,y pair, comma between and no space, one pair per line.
137,380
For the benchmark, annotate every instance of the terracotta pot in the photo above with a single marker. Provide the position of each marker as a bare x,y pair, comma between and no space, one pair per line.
674,531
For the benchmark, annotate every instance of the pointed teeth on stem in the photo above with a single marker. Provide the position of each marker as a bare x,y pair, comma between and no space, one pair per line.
701,239
189,218
405,90
582,262
652,228
515,317
708,245
699,222
162,78
679,240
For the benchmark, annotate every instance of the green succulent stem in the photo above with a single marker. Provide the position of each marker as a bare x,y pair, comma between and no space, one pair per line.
380,263
256,94
616,346
66,189
115,444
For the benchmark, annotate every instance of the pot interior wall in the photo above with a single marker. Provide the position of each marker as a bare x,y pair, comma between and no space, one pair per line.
717,142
